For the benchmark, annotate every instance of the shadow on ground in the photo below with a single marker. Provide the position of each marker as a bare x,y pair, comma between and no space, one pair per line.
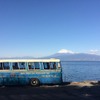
62,92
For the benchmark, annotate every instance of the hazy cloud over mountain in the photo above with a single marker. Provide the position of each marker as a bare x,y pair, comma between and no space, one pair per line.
97,52
92,51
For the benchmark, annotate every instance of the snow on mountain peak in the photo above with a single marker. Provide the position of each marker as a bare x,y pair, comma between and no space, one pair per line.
65,51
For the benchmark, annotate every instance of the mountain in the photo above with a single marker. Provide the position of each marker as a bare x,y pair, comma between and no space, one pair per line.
75,57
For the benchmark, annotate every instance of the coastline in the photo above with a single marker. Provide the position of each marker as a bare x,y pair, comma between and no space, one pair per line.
87,90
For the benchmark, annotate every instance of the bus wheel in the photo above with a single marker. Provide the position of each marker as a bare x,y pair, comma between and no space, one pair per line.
34,82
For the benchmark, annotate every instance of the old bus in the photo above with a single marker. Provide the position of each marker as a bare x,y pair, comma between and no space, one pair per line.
30,71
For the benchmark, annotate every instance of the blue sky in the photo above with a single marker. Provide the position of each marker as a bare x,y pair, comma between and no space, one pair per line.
43,27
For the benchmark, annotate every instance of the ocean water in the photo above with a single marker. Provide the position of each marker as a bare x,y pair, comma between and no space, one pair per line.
80,71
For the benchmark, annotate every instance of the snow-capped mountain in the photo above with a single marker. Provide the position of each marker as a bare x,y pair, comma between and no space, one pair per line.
67,55
65,51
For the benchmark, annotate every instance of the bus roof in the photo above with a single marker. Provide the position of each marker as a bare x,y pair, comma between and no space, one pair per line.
30,60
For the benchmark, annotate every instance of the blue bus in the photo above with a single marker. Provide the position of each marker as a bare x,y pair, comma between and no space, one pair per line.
30,71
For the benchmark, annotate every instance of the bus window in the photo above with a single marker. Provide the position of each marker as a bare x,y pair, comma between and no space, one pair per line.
41,65
22,65
36,64
15,65
1,66
52,65
6,65
31,65
46,65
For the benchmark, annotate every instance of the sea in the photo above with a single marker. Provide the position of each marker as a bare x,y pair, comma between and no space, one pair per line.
77,71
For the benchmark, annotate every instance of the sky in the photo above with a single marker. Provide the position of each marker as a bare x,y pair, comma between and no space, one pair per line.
43,27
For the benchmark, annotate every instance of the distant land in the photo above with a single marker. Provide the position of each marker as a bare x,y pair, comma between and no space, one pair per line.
75,57
65,57
69,56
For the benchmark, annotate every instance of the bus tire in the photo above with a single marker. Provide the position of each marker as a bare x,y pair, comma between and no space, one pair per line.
34,82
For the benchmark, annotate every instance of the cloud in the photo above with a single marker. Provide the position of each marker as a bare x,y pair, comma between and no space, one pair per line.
94,52
65,51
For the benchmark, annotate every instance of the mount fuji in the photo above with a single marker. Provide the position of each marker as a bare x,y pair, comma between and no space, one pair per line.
67,55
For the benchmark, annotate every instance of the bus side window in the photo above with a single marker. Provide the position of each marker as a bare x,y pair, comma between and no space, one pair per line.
1,66
30,65
6,65
15,65
22,65
46,65
41,65
36,64
53,65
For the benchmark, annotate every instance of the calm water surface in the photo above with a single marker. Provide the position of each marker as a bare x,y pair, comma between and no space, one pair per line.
80,70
